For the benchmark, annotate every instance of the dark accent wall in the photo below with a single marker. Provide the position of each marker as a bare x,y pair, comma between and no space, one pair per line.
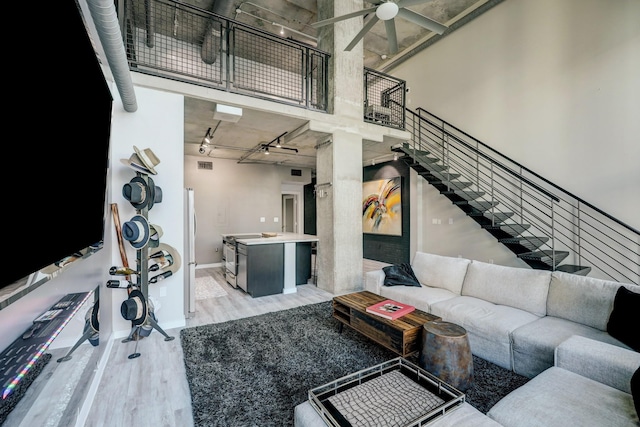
391,249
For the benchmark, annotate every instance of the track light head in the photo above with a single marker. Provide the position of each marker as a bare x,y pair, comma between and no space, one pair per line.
207,137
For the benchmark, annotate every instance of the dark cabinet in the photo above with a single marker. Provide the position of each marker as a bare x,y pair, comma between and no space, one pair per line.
303,262
261,269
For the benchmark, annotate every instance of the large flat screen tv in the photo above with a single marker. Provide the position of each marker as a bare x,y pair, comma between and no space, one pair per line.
56,145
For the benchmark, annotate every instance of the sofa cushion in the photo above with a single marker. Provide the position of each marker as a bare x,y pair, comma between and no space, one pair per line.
533,344
521,288
400,275
544,400
635,390
488,325
421,298
624,316
440,271
582,299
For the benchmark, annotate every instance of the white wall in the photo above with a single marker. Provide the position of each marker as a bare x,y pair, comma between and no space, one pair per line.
232,197
553,85
158,124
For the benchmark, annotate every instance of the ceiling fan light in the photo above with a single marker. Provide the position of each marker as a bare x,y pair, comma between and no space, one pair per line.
387,11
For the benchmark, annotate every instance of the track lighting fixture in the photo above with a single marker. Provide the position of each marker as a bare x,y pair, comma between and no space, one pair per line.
395,156
276,141
207,138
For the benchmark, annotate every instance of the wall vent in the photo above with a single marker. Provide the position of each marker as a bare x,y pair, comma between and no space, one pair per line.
205,165
296,172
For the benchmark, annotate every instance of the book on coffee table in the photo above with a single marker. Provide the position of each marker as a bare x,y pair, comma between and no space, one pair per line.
390,309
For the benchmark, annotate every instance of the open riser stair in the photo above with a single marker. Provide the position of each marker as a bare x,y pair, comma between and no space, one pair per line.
534,220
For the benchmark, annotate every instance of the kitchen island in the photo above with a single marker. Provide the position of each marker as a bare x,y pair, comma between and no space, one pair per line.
272,265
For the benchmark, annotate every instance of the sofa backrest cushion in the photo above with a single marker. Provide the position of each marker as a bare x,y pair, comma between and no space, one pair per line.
521,288
581,299
440,271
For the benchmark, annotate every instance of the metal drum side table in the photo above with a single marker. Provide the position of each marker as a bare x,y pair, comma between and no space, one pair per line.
446,353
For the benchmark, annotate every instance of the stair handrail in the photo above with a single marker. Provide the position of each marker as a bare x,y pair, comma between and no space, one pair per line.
492,160
578,199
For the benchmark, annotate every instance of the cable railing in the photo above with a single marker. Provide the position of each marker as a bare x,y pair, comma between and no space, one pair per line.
173,40
549,221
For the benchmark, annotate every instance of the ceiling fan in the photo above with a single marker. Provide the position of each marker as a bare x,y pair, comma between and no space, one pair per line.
387,11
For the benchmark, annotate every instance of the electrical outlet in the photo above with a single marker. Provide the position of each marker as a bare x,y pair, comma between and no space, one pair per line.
263,219
450,220
275,219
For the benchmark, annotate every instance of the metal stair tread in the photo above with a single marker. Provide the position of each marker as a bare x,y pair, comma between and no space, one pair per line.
480,205
468,195
530,242
580,270
497,217
546,256
508,228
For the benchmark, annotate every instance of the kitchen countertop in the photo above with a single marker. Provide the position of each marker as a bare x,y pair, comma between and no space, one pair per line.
280,238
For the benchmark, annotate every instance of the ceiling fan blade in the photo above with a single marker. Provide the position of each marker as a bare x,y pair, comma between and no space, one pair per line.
367,26
422,20
392,37
342,17
405,3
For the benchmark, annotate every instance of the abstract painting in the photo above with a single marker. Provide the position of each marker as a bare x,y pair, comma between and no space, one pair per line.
382,207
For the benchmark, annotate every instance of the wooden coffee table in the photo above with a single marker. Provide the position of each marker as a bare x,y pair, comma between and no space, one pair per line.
401,336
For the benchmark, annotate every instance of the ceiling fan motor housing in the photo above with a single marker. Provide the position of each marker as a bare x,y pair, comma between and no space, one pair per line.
387,11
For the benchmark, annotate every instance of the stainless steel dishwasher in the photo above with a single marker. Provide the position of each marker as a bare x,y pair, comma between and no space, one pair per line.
241,268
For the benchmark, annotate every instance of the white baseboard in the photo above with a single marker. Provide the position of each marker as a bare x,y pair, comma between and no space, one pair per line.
214,265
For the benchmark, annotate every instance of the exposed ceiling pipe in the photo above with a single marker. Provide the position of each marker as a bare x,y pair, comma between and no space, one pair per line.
105,18
150,9
210,42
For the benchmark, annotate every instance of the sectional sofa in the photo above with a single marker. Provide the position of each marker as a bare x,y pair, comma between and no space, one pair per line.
557,328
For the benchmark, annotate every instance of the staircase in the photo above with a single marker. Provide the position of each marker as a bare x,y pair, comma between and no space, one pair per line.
543,225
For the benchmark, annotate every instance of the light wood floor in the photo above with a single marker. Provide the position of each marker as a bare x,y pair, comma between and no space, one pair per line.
155,396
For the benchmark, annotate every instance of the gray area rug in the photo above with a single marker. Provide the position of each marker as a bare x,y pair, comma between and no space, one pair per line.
254,371
208,287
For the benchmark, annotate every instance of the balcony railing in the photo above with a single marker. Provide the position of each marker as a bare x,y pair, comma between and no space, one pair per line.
384,99
177,41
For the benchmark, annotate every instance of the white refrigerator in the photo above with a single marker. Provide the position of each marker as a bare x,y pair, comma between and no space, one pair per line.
190,256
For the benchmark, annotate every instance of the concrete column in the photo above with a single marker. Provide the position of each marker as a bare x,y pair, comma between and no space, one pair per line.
339,162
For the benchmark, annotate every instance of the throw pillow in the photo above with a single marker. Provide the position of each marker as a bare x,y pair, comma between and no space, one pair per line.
624,316
635,390
400,275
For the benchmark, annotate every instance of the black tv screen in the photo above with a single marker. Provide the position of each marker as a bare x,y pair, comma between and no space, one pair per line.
56,160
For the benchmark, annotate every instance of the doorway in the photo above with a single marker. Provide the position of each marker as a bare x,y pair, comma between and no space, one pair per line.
289,213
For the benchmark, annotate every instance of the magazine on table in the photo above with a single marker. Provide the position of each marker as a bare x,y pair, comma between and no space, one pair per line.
390,309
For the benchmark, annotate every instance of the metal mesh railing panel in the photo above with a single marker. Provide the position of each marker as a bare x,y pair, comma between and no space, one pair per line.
173,40
384,101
